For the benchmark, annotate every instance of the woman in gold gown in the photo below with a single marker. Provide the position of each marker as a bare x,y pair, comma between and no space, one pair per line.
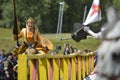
32,38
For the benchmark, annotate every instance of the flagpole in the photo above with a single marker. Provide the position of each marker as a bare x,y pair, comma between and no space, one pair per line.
85,11
60,18
15,29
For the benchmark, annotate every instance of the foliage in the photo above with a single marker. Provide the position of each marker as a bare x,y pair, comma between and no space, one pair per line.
116,4
46,13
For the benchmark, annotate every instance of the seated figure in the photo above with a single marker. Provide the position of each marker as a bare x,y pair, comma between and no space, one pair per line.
32,39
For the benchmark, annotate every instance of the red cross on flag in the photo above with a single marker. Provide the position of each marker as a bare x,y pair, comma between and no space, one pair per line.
94,14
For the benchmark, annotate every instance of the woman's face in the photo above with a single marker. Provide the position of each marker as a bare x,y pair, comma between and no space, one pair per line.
30,24
10,57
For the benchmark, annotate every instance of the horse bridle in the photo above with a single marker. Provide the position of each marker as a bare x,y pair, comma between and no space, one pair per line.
112,39
113,77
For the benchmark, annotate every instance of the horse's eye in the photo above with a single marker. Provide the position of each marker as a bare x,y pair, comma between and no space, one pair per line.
102,57
116,56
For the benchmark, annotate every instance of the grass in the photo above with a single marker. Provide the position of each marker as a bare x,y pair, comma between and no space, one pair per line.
8,44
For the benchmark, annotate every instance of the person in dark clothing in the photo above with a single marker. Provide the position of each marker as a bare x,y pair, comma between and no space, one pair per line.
2,59
66,49
8,67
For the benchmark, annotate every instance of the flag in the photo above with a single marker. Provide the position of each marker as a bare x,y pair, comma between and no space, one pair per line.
94,14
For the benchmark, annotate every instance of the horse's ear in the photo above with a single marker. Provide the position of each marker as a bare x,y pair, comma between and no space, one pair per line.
111,20
111,15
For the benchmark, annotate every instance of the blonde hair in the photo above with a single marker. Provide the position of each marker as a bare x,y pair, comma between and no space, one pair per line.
30,20
35,26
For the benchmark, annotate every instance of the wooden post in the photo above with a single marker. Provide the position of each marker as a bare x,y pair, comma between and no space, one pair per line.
65,68
43,69
22,67
55,69
73,68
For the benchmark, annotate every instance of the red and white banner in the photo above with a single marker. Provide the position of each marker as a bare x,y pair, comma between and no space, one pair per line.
94,14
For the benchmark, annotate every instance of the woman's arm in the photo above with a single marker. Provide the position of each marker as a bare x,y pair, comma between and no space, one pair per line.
18,36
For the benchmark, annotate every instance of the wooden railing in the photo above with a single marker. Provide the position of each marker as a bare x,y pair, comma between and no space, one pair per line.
55,67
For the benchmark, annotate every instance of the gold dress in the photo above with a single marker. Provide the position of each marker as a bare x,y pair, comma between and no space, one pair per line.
34,38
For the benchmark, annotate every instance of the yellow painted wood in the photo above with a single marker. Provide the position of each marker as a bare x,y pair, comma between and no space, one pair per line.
69,68
92,61
37,74
48,70
30,68
90,65
37,56
43,69
33,66
73,68
87,66
22,67
65,68
55,69
61,69
79,68
83,66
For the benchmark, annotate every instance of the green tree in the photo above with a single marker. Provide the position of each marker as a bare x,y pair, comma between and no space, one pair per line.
46,13
116,4
6,14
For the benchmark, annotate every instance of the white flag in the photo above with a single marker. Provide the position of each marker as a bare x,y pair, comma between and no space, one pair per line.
94,14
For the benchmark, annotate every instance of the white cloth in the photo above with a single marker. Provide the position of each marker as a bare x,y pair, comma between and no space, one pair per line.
94,14
90,77
95,35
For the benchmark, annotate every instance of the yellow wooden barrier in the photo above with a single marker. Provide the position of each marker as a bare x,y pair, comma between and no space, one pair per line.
22,69
32,71
48,68
42,69
87,66
55,67
79,68
61,69
73,68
